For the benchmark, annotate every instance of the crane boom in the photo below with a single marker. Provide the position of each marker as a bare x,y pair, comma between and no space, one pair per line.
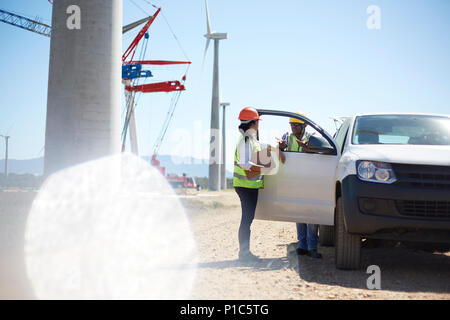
25,23
135,24
157,62
167,86
44,29
133,45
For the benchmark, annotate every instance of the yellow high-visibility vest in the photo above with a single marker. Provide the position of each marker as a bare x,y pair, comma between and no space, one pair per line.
240,178
292,144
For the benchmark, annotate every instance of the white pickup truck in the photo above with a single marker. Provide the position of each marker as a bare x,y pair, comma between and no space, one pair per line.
384,176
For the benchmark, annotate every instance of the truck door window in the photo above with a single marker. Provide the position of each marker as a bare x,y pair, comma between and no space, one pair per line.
276,128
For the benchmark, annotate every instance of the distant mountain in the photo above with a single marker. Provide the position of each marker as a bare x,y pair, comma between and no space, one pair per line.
34,166
174,165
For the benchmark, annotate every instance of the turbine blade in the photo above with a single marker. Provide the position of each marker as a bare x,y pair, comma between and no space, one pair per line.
206,50
208,28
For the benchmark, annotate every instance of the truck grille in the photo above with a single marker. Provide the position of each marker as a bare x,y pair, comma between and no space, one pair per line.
426,209
435,177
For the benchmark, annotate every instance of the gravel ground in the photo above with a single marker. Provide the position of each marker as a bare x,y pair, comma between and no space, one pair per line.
406,272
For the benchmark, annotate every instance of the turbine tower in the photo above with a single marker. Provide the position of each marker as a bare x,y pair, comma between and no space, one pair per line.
214,154
223,170
6,154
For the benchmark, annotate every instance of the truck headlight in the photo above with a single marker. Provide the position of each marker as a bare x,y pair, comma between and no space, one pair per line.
375,171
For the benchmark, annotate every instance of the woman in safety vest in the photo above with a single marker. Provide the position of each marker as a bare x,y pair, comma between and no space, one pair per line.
247,177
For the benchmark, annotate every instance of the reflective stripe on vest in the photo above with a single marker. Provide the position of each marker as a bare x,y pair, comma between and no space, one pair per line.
240,178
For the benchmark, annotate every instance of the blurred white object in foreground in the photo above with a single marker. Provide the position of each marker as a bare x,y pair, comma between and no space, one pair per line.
109,229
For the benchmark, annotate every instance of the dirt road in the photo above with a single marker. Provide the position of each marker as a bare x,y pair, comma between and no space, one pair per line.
406,273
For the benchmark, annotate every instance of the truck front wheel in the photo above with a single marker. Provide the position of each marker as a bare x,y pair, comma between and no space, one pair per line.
347,246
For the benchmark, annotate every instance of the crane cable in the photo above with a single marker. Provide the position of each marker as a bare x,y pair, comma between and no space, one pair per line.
169,116
130,108
170,28
176,95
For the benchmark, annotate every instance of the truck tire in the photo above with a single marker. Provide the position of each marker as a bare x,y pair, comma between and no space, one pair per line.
326,235
347,246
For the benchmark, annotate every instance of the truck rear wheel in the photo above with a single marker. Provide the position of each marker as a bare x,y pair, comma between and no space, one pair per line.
326,235
347,246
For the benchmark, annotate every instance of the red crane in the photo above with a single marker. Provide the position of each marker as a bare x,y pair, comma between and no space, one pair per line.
167,86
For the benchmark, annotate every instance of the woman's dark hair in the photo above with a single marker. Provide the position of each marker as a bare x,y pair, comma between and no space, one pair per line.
245,126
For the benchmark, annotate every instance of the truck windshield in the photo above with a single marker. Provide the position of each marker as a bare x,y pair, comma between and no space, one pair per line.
402,129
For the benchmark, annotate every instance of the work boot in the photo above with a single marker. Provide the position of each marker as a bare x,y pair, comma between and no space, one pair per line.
314,254
247,256
301,252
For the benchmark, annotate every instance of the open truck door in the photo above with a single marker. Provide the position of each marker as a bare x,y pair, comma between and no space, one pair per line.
302,189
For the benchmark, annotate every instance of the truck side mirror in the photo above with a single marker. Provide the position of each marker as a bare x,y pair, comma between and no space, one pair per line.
320,145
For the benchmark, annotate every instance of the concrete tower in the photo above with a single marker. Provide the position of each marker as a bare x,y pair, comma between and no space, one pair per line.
84,88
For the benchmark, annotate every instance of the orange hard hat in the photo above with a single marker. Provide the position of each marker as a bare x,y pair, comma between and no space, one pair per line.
249,113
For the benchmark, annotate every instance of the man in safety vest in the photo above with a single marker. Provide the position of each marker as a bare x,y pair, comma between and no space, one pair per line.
297,141
247,176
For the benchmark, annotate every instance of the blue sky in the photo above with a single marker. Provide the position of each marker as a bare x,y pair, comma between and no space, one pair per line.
315,56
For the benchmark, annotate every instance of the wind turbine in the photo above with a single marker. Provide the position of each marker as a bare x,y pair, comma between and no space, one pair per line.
214,151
